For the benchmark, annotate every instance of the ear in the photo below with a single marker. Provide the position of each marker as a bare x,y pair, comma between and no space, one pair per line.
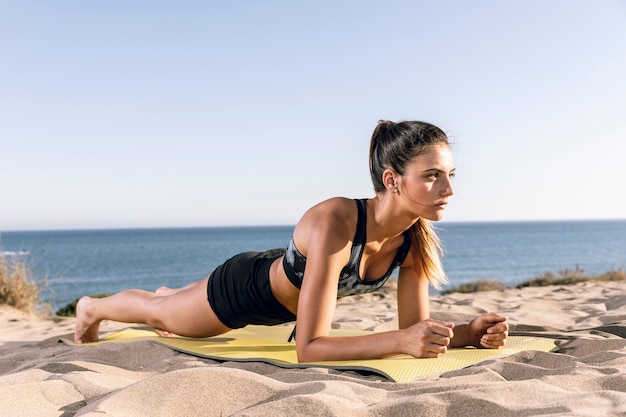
389,179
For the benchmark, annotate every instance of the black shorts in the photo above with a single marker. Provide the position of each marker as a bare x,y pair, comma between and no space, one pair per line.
239,291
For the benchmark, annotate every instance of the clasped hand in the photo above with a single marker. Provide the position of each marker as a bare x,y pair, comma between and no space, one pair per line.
431,338
488,331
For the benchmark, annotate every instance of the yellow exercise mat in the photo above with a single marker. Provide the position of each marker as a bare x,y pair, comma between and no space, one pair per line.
269,344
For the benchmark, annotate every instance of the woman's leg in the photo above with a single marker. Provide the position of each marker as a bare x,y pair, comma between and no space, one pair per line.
184,312
170,291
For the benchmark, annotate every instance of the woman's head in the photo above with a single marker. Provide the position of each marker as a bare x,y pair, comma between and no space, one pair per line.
395,145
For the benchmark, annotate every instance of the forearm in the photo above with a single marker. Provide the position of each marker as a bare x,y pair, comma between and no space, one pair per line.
337,348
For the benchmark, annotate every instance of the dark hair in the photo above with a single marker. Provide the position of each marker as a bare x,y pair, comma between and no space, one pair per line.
395,145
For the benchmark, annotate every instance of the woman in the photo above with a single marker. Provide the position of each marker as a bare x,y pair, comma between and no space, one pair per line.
348,247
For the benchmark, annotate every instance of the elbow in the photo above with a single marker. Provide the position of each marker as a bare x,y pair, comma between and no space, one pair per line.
307,353
304,355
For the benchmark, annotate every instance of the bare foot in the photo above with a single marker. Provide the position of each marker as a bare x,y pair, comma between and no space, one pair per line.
164,333
85,329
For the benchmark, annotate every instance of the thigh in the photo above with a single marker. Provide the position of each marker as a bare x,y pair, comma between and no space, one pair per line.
187,312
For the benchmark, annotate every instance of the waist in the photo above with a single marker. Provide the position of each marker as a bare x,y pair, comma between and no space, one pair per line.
284,291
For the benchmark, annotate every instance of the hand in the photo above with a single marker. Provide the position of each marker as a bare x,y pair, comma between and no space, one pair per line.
489,331
428,338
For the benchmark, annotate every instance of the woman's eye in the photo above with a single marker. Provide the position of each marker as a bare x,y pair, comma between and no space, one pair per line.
435,175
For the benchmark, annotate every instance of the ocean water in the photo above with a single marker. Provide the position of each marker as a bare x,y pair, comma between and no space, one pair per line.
75,263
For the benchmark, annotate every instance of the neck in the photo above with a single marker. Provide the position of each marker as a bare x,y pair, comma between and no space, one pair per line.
386,220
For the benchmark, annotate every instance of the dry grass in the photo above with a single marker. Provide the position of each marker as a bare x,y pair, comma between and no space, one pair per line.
616,275
570,277
564,277
476,286
17,288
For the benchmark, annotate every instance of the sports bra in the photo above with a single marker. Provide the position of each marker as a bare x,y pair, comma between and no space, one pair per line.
350,283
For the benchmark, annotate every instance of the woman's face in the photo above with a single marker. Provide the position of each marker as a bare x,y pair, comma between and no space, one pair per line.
427,182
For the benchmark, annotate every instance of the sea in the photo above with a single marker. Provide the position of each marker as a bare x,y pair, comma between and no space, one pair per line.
72,263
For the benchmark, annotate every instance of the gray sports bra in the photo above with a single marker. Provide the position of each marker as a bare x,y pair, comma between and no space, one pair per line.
350,283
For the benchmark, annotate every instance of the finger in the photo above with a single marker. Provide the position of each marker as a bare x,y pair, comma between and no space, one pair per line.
438,340
493,318
438,349
493,341
442,323
494,337
501,327
430,350
443,329
492,344
429,354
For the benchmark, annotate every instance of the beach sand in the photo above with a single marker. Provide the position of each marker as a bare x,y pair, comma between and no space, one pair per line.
587,377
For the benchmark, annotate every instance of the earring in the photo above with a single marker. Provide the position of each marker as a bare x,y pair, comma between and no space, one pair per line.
395,190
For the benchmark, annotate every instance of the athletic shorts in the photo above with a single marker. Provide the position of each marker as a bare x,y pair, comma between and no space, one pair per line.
239,291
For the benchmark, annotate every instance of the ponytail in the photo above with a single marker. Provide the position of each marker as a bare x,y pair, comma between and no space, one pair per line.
427,252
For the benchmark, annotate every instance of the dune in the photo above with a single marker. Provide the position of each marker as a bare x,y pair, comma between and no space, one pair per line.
586,377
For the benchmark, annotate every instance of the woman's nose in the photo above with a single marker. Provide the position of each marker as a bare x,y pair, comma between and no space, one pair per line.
448,189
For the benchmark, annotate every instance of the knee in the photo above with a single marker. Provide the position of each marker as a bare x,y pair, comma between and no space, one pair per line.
157,316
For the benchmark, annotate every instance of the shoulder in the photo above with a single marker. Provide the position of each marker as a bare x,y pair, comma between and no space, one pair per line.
333,207
332,213
331,221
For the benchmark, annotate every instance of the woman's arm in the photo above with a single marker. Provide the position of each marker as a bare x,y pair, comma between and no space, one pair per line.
327,248
315,312
413,297
327,242
487,330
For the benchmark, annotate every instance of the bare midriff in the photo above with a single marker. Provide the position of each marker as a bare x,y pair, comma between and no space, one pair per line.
284,291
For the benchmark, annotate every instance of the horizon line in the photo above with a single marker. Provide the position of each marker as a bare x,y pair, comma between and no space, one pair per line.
243,226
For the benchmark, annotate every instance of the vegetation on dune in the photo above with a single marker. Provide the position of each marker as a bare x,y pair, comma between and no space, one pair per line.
476,286
570,277
17,288
564,277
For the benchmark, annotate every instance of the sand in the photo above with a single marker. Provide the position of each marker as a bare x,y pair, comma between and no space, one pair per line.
587,377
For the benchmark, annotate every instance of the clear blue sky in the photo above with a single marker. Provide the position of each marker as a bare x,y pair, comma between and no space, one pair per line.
193,113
